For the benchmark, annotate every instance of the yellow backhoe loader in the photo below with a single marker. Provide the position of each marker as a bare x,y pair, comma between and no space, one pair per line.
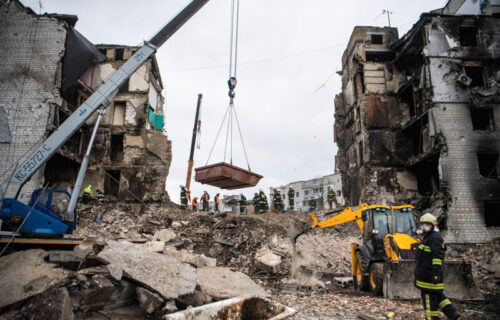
384,263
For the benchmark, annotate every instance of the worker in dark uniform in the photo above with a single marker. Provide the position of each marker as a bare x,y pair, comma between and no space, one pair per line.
194,204
183,197
264,206
312,205
99,196
331,197
205,201
256,202
216,202
277,201
243,203
291,199
429,271
87,194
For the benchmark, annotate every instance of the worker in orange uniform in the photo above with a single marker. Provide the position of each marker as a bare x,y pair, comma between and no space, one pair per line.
204,200
188,197
216,202
194,204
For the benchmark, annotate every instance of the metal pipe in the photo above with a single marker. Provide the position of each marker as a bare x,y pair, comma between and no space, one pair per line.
193,142
83,167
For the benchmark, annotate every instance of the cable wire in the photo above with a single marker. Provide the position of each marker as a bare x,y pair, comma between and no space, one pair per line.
241,137
217,137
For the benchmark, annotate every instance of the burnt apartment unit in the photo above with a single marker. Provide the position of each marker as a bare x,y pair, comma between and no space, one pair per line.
48,70
431,138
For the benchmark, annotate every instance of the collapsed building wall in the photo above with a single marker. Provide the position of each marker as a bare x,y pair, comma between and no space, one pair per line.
42,83
30,67
435,142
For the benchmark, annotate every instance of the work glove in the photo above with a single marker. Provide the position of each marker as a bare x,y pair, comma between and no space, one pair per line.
436,274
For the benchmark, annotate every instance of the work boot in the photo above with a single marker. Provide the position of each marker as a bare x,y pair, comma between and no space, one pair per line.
451,312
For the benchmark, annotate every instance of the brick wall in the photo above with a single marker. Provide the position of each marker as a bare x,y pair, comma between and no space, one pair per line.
31,48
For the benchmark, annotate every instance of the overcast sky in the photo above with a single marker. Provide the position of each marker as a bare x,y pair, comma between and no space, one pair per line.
289,51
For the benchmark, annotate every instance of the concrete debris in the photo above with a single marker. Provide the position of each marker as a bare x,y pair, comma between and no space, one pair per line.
169,307
166,275
222,283
193,259
265,259
149,301
25,274
164,235
54,304
65,259
88,246
97,293
154,246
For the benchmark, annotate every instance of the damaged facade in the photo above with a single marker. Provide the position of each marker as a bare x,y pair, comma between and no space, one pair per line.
43,80
419,123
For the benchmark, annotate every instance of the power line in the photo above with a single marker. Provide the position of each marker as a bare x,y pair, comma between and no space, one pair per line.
262,60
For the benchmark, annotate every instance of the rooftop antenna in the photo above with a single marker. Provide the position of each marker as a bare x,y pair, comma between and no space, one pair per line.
388,16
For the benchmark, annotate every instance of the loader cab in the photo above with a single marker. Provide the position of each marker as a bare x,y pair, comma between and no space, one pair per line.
380,221
52,201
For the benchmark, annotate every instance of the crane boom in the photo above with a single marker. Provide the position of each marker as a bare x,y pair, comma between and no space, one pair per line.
100,98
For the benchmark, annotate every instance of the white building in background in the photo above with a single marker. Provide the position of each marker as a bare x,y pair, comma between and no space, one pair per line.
314,189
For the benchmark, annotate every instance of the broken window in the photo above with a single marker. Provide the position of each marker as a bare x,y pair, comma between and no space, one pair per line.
116,146
487,164
124,86
379,56
297,194
119,54
377,38
469,36
112,182
119,113
358,83
339,193
377,112
4,127
427,174
482,119
476,73
492,213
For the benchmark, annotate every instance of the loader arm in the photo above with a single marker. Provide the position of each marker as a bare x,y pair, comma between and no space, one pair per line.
99,99
347,215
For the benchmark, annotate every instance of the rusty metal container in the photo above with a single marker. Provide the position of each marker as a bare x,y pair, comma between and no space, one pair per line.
226,176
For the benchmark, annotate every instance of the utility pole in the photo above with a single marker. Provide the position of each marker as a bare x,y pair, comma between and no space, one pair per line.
197,126
388,16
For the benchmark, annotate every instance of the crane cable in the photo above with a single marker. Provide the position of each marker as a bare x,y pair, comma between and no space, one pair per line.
231,111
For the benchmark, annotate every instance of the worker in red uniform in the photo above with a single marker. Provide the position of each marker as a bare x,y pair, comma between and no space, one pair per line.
205,200
429,271
194,204
216,202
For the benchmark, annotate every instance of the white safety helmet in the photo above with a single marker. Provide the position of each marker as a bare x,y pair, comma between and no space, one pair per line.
428,218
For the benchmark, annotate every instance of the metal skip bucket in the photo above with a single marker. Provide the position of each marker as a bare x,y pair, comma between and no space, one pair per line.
240,308
399,281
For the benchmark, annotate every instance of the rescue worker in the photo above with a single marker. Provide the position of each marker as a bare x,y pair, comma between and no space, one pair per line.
291,199
87,194
243,203
184,202
256,202
204,200
216,202
312,205
263,205
277,201
331,197
188,197
429,271
194,204
99,196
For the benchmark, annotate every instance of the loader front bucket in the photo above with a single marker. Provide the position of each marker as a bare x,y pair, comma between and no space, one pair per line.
458,282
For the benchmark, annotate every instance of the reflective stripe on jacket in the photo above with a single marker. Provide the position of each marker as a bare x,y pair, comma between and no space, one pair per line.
430,255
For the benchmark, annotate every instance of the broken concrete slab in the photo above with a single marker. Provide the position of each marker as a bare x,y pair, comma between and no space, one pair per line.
97,294
267,260
54,304
166,275
222,283
132,312
154,246
169,307
88,246
193,259
64,258
164,235
148,300
25,274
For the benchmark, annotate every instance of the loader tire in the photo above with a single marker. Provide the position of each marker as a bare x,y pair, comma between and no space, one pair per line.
376,278
361,274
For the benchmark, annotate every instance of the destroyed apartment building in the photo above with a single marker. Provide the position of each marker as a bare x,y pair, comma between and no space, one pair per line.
417,121
48,70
